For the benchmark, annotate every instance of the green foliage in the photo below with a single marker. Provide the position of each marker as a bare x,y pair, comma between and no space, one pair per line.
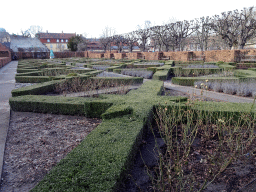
74,41
32,79
37,89
72,74
161,75
189,81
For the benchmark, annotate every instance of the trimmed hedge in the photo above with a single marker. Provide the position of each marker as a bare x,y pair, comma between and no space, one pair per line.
32,79
48,104
189,81
119,80
25,70
100,162
37,89
161,75
36,73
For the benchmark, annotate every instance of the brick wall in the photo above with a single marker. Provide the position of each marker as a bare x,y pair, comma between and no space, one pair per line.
221,55
5,55
4,61
152,56
108,55
178,56
132,55
68,54
119,55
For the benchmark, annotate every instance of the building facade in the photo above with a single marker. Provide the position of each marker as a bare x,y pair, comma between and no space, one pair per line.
55,41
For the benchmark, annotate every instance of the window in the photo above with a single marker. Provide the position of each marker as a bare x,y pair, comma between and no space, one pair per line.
66,40
58,40
62,40
48,40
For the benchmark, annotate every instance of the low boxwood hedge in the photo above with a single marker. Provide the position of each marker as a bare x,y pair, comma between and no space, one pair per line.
189,81
161,75
32,79
37,89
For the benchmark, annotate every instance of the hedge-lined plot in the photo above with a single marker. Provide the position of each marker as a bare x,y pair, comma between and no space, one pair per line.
100,161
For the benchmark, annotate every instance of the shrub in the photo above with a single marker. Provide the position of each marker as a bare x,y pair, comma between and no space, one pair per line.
72,74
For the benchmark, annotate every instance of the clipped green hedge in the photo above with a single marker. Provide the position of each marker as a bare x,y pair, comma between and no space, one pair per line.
79,70
100,162
36,73
170,62
37,89
161,75
26,70
227,67
48,104
94,109
189,81
32,79
119,80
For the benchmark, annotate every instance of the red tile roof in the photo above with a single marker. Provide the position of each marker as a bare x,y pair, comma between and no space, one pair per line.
56,35
3,48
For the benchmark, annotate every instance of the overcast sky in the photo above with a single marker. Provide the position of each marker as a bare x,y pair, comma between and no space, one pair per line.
91,17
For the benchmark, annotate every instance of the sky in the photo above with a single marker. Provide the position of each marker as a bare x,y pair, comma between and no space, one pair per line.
92,17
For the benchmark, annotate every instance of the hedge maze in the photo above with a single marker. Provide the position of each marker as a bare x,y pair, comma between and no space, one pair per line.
100,162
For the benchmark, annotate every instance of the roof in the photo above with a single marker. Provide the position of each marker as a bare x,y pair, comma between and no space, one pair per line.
27,44
3,48
56,35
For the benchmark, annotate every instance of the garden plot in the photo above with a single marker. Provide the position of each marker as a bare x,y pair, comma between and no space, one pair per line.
111,74
205,152
138,73
245,89
97,165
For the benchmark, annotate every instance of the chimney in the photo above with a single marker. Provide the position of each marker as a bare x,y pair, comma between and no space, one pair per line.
46,31
62,31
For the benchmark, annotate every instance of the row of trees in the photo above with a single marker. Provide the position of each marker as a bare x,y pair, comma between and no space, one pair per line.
226,31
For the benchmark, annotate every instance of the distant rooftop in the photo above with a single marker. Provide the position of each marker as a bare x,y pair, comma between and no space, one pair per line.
2,30
27,44
56,35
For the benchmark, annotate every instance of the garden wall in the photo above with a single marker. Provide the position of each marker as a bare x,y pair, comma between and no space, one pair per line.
222,55
4,61
133,55
177,56
5,55
119,55
152,56
69,54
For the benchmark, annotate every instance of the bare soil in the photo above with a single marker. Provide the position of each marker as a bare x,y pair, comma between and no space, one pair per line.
36,142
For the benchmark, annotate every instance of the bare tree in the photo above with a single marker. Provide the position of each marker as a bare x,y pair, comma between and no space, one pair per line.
157,33
119,41
178,32
32,31
106,38
227,27
143,35
203,31
131,40
247,21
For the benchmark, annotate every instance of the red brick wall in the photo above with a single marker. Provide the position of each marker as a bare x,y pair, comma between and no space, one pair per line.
5,55
108,55
68,54
119,55
178,56
132,55
221,55
152,56
4,61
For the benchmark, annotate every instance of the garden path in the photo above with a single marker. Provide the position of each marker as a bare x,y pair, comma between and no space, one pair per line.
211,94
7,84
